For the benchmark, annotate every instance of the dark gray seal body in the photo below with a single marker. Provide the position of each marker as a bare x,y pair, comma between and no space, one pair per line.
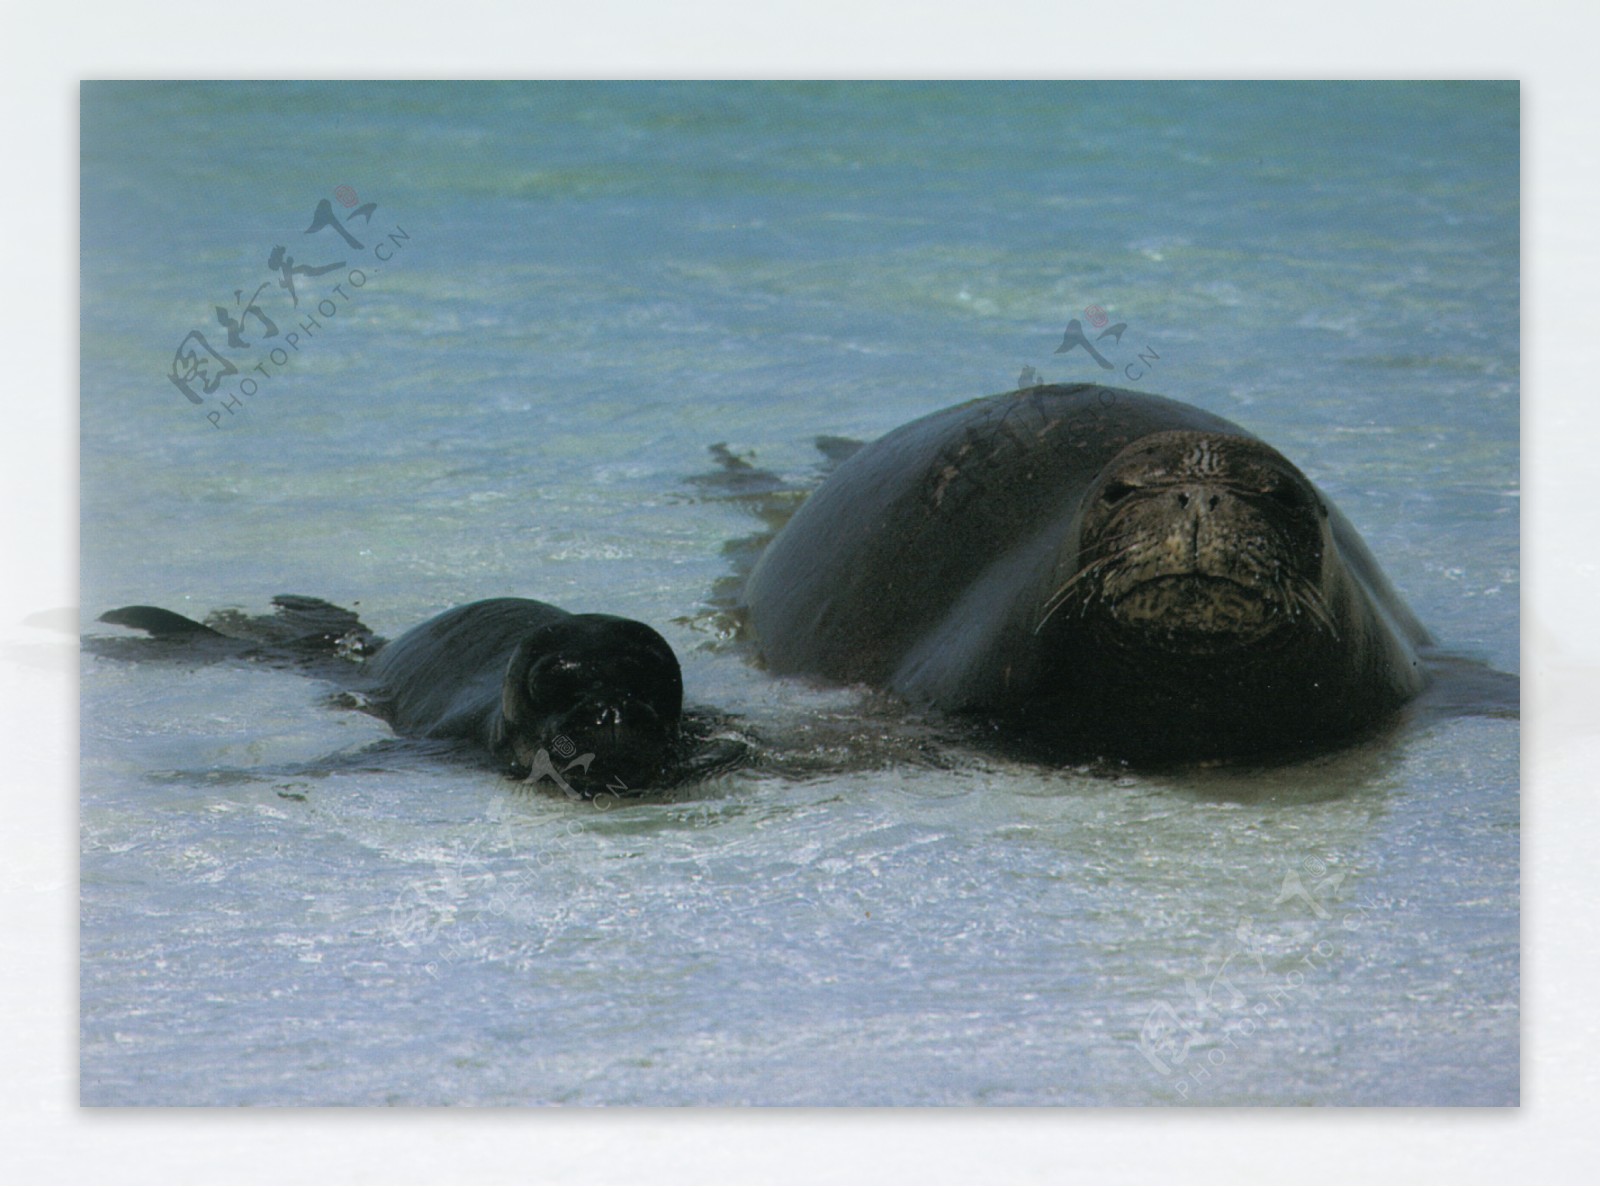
1097,572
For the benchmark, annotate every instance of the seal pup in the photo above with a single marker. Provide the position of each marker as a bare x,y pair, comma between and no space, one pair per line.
592,702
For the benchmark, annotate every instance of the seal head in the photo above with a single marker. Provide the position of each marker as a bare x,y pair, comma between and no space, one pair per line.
587,702
1197,543
598,696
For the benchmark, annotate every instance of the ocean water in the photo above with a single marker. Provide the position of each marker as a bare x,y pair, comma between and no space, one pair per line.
553,300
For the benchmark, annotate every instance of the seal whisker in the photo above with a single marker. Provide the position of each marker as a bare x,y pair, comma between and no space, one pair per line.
1093,569
1306,596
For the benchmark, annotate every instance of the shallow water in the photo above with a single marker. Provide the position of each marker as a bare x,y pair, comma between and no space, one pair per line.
589,285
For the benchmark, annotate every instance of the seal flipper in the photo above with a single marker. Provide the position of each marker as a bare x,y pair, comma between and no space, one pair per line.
1460,686
837,450
299,627
172,638
736,477
309,634
159,623
319,626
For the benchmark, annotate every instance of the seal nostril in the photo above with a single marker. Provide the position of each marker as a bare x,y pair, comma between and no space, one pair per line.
1183,498
1211,504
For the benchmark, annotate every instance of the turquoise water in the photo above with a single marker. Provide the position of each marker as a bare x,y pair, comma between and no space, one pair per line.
568,292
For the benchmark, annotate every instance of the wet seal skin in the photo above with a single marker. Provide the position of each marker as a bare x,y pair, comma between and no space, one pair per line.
588,702
1093,573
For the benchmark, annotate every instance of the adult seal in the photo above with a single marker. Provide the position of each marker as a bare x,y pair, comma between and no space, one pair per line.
1094,572
589,702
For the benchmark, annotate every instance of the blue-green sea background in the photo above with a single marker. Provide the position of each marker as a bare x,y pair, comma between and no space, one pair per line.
568,293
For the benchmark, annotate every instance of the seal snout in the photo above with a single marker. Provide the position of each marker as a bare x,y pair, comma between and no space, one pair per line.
1202,499
1197,531
626,739
622,724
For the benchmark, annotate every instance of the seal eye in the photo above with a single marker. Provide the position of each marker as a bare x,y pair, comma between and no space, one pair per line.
558,677
1286,494
1115,492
